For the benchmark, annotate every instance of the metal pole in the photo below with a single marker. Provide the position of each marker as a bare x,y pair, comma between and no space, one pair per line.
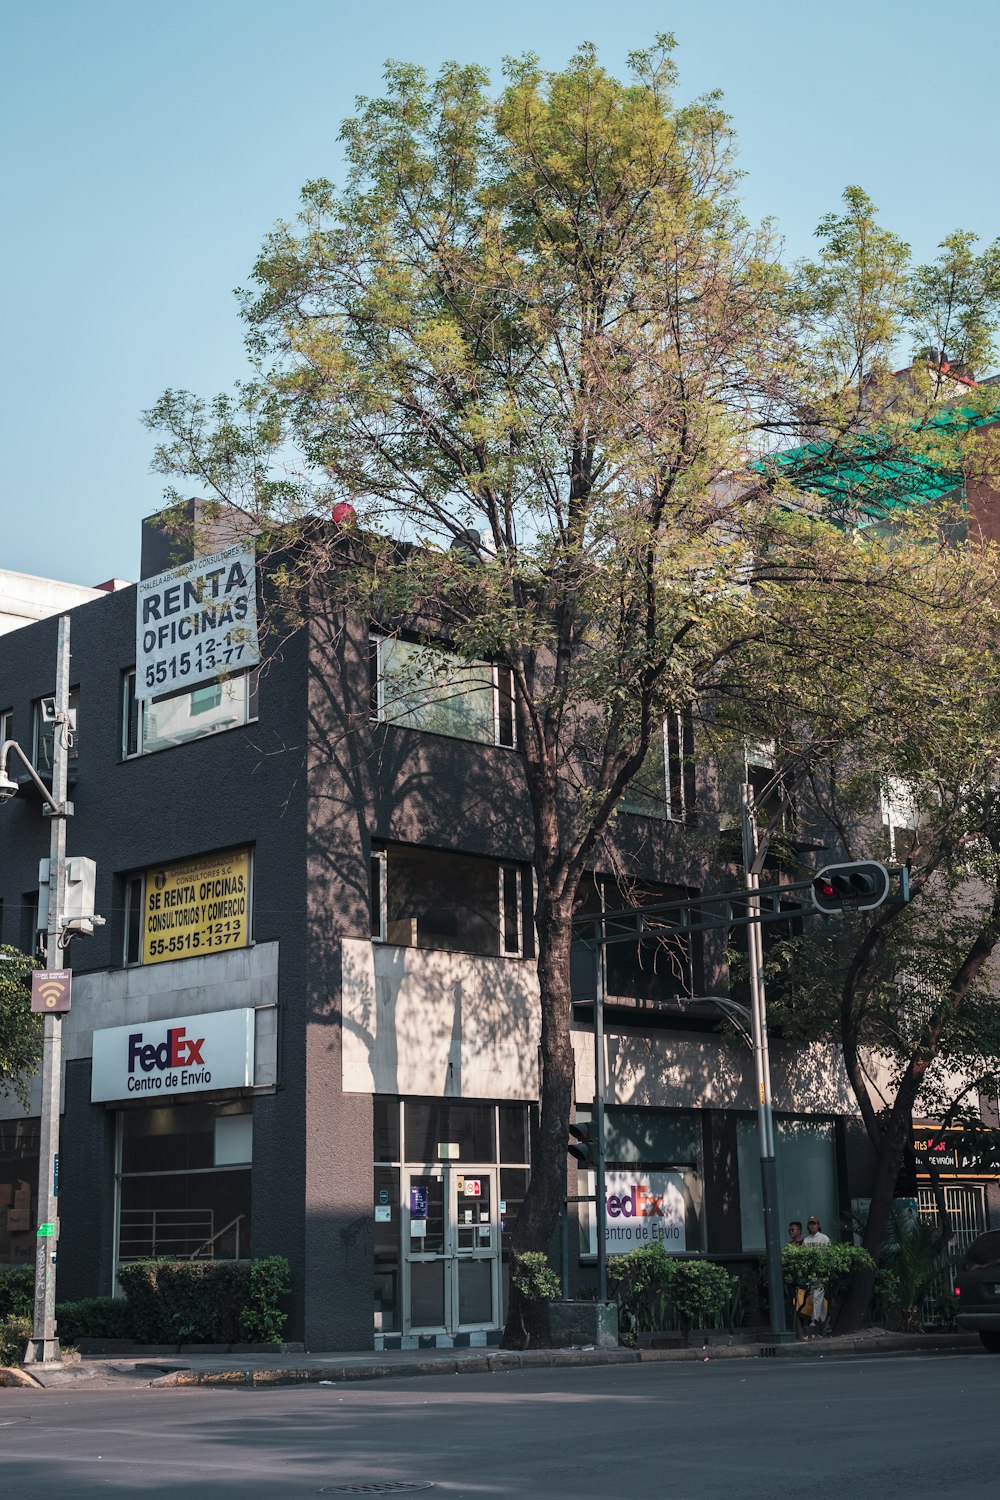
43,1347
762,1069
600,1190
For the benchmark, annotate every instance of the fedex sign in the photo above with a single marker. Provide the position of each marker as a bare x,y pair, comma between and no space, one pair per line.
642,1208
179,1056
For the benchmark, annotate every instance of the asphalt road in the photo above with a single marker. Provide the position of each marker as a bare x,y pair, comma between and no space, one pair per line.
739,1430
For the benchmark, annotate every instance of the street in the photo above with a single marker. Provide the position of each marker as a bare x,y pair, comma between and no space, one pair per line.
884,1427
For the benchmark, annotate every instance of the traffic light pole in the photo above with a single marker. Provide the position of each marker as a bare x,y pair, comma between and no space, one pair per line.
600,1163
43,1347
762,1068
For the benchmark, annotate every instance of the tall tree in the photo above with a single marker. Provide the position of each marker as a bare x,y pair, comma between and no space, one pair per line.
535,336
20,1031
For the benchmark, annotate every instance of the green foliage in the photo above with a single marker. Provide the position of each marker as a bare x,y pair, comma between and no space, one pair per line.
913,1256
15,1331
701,1291
17,1291
211,1302
534,1277
263,1319
94,1318
833,1267
20,1029
657,1291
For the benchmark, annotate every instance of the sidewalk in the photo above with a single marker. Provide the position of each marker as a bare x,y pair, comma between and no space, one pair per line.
96,1372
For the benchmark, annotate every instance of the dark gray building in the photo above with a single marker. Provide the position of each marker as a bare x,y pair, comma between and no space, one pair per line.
309,1026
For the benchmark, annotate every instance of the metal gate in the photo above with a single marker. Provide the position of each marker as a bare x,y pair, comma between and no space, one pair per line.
966,1207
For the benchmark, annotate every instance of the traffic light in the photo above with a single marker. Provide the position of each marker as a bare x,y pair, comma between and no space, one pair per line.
582,1145
856,887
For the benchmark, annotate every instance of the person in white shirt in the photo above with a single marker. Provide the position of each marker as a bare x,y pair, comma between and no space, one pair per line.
819,1308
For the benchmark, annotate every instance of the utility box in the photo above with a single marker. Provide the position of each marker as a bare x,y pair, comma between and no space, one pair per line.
81,885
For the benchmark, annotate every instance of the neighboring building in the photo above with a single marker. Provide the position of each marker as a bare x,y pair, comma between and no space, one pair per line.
310,1024
24,599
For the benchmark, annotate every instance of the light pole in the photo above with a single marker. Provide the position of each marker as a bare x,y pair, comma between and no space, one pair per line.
43,1347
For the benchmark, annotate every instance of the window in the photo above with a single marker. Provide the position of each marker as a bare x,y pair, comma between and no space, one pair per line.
19,1145
806,1155
665,784
459,903
189,715
429,688
184,1182
188,909
44,731
6,725
900,815
650,971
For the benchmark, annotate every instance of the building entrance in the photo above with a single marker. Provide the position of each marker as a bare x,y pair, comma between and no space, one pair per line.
451,1250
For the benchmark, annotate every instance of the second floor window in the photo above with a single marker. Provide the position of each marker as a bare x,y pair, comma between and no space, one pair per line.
430,688
461,903
160,723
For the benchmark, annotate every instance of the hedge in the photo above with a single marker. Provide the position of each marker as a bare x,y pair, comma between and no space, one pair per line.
206,1302
17,1291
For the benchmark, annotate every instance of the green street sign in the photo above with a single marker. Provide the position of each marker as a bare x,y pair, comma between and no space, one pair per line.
45,1231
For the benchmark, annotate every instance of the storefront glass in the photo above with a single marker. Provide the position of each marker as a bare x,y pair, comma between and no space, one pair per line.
806,1161
18,1178
184,1182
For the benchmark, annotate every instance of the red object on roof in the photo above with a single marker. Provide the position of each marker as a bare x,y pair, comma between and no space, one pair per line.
343,514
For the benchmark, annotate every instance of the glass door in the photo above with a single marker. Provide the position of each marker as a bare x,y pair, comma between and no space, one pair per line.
475,1273
451,1250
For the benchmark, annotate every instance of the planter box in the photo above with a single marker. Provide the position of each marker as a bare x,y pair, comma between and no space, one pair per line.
584,1323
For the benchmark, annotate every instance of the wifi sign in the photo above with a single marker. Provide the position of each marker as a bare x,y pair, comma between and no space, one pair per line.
51,990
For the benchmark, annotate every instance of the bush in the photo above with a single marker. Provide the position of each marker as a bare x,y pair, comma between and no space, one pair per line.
15,1332
657,1291
535,1278
17,1291
262,1320
832,1267
700,1291
206,1302
641,1280
94,1318
185,1301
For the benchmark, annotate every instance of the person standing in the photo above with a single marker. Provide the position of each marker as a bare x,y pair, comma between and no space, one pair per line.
795,1232
817,1238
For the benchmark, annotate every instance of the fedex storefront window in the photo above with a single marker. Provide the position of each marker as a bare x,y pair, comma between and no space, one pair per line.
184,1181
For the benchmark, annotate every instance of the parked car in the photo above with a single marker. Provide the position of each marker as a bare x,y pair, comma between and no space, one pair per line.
978,1290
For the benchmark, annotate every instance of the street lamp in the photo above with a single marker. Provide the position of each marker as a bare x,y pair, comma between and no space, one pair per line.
43,1347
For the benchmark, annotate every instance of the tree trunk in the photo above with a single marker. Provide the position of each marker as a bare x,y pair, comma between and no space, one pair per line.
539,1215
854,1308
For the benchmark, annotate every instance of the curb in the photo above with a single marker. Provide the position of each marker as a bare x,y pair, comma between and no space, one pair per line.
484,1364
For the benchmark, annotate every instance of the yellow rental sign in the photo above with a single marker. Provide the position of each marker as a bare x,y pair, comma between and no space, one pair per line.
196,906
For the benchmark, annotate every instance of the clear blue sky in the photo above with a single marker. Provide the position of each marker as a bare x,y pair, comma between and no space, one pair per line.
149,145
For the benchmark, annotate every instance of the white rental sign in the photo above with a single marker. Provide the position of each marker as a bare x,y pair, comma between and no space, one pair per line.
196,623
187,1055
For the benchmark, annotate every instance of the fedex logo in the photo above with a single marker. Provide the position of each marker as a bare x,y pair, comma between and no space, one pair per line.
178,1051
640,1203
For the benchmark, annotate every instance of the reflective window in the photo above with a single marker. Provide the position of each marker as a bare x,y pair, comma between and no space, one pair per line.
190,715
430,688
806,1156
423,898
651,970
664,787
184,1185
19,1145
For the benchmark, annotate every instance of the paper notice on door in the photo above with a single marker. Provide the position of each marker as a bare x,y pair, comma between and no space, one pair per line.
467,1215
418,1229
484,1231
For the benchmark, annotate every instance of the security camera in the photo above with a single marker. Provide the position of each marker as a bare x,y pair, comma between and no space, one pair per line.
8,788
